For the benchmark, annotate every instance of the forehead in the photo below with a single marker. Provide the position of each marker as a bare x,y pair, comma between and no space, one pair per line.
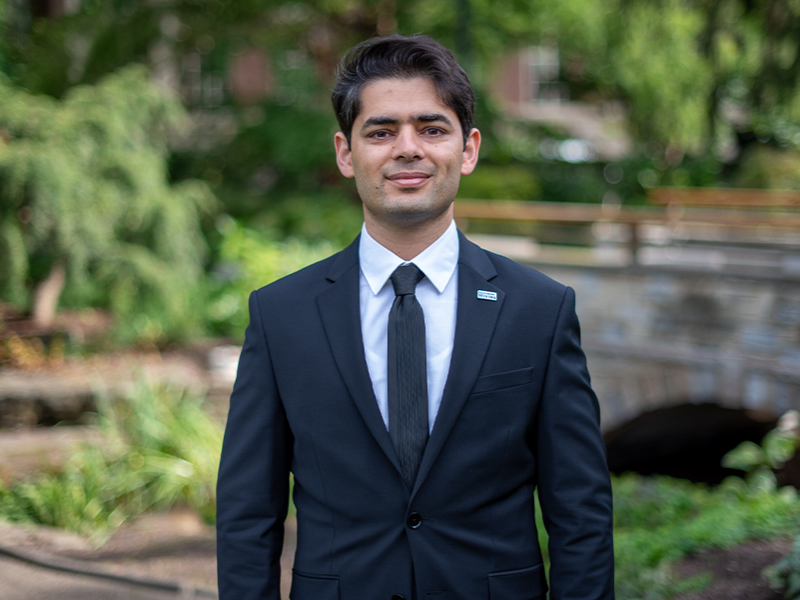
397,97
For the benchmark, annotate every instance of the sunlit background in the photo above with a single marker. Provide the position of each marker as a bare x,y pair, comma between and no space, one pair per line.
161,159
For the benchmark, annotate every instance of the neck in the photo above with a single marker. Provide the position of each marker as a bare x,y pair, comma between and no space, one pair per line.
408,242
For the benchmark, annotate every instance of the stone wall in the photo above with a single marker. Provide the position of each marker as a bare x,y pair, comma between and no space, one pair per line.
659,338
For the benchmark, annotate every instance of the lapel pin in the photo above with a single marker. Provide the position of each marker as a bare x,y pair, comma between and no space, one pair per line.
487,295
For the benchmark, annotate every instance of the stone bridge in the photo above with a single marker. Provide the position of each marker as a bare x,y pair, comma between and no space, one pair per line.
658,338
677,307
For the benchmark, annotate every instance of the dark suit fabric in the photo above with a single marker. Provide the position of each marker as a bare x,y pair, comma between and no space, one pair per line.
517,412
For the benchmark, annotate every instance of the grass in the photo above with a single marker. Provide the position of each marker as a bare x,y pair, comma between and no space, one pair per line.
160,448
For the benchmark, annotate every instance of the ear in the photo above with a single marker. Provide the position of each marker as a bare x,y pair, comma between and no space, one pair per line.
343,155
471,150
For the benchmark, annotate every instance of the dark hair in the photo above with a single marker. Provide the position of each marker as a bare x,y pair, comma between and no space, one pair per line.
400,57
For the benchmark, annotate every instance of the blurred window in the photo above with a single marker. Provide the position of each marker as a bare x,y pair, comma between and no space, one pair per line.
542,64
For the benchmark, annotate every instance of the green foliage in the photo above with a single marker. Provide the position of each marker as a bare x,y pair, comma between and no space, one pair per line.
785,575
694,73
659,520
280,173
660,66
177,443
776,449
83,183
317,219
506,182
160,447
765,167
731,61
5,16
50,55
250,260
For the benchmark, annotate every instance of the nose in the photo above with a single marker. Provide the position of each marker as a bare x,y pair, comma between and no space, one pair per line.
407,145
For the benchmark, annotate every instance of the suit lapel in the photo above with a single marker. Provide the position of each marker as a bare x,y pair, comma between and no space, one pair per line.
475,324
341,318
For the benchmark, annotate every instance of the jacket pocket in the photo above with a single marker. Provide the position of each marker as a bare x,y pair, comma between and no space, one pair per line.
519,584
306,586
498,381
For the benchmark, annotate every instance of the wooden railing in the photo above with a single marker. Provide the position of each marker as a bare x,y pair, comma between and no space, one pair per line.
726,198
745,217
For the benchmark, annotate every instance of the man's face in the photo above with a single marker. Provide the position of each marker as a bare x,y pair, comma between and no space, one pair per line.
407,153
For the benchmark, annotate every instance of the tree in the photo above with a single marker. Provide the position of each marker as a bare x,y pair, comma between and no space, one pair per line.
86,204
702,76
699,77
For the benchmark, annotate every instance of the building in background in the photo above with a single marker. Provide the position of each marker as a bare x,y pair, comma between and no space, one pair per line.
529,87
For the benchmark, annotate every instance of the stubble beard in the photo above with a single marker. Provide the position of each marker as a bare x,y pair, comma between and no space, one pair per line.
409,210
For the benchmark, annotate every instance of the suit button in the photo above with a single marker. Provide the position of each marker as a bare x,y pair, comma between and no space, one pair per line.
414,520
398,597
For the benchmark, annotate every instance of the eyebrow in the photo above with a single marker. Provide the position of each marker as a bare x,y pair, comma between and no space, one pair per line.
424,118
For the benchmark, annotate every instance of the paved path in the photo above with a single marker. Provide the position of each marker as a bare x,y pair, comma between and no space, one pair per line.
175,549
22,581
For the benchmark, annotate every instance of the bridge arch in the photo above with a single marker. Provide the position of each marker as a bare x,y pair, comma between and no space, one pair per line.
687,440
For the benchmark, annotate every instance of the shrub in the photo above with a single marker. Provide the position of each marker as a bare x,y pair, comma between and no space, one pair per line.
250,260
160,448
659,520
761,461
86,206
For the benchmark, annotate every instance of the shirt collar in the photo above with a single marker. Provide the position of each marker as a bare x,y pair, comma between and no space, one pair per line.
438,261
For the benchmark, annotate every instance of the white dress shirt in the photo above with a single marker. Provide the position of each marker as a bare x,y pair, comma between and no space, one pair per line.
436,293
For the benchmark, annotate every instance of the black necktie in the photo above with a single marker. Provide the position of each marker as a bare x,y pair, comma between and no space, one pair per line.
408,381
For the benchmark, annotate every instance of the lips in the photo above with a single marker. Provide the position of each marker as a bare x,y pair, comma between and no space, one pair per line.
409,179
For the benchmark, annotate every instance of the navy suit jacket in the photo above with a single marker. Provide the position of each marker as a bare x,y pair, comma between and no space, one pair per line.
517,413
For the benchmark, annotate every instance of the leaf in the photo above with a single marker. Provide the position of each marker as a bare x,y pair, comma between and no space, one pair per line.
744,457
779,447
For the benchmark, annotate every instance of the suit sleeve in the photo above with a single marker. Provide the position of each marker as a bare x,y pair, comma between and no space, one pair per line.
253,484
573,480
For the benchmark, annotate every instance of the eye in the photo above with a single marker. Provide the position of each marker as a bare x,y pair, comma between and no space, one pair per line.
433,131
381,134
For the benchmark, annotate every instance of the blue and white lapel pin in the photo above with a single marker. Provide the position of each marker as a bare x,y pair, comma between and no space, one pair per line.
487,295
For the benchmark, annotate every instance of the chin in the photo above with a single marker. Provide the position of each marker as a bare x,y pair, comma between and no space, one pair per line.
414,215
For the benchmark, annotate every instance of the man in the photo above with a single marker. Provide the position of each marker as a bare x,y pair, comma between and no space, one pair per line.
417,387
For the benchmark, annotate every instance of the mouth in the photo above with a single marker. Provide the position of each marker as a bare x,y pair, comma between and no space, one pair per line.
408,179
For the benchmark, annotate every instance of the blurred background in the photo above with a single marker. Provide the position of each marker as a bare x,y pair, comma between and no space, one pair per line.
161,159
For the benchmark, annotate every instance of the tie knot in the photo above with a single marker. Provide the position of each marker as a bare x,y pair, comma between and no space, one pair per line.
405,279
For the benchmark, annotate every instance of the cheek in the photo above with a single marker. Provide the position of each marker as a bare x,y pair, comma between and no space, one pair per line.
368,189
451,159
368,164
365,177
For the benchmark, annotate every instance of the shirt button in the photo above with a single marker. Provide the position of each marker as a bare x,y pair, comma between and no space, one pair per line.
398,597
414,520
